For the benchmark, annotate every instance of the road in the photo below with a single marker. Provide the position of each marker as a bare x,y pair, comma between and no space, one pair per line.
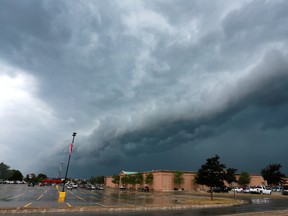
31,198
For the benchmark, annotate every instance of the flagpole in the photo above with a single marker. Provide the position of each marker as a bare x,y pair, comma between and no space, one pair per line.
70,153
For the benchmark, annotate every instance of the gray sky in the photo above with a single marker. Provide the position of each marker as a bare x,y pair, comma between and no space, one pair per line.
152,84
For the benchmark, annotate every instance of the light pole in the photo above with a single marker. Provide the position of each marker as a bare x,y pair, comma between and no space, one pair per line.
70,153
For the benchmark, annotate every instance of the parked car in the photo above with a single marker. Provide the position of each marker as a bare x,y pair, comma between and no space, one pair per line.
246,190
221,189
99,188
285,190
69,186
260,190
145,189
277,188
237,189
32,184
122,187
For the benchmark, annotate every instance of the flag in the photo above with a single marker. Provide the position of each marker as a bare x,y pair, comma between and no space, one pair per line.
70,148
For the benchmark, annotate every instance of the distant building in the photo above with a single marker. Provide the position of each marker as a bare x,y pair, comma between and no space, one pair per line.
163,180
31,176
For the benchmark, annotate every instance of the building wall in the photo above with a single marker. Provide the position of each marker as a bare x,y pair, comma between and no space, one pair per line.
257,180
108,182
164,181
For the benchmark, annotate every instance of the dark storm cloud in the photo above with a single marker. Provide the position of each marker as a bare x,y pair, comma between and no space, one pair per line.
265,88
143,81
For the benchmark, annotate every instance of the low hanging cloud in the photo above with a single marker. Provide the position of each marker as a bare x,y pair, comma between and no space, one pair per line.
264,87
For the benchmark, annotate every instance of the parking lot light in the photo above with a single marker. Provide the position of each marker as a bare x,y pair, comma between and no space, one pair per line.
70,153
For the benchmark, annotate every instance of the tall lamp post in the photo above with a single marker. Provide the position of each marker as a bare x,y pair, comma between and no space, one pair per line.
70,153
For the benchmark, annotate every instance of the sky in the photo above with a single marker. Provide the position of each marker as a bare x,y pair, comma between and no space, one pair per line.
147,85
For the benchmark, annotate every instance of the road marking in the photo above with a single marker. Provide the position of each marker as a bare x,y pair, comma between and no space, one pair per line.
16,196
80,198
27,205
100,205
42,194
20,194
40,197
93,197
77,196
68,204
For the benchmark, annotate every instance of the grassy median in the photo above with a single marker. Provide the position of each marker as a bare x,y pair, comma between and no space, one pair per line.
208,201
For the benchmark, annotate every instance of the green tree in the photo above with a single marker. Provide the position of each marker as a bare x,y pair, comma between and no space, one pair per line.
116,179
92,180
100,179
4,171
230,175
125,180
96,180
15,175
273,175
211,174
129,179
40,177
139,178
132,180
178,178
149,178
244,179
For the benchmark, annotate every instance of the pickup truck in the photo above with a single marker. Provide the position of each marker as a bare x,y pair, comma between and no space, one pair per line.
260,190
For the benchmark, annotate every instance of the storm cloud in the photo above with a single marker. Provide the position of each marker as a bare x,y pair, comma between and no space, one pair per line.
145,84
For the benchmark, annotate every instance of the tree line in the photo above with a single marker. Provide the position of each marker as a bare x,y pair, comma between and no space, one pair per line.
214,174
15,175
133,179
9,174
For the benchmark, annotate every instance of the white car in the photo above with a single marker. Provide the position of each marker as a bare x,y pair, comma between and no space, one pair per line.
69,186
246,190
260,190
237,189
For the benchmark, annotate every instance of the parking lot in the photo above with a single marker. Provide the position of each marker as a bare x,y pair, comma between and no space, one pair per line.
21,197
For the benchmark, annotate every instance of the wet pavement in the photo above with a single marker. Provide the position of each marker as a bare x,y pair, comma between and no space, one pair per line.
112,201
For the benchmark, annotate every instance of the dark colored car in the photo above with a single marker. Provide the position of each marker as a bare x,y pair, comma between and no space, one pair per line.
122,187
32,184
285,190
221,189
145,189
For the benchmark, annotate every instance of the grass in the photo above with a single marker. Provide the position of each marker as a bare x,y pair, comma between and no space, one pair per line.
208,201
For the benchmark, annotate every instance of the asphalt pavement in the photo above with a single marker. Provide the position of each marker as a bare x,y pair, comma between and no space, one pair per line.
21,198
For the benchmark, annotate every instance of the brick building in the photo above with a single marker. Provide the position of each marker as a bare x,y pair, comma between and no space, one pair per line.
163,180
